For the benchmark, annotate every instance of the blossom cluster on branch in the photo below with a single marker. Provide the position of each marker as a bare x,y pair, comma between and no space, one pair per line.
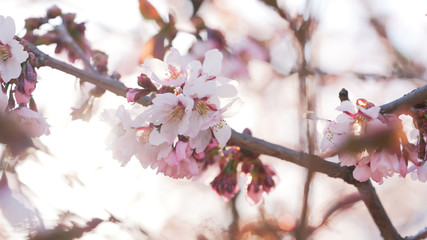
18,80
183,130
372,142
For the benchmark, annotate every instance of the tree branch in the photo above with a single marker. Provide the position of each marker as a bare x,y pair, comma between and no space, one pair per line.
376,209
67,39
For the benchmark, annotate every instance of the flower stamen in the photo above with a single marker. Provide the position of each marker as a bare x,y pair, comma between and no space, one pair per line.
5,52
173,73
176,114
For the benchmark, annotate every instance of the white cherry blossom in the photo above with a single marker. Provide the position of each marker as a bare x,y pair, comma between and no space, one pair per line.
170,72
12,53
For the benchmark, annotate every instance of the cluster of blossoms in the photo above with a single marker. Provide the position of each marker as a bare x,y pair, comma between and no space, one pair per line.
17,82
183,130
185,119
383,158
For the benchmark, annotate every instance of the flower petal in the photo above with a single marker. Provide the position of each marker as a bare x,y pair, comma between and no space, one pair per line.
362,173
212,63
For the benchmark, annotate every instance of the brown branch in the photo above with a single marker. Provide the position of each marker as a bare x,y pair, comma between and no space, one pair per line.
377,211
105,82
421,235
399,105
68,40
309,161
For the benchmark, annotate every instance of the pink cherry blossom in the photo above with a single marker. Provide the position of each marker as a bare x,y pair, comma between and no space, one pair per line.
170,72
172,112
12,53
30,121
177,165
147,153
123,139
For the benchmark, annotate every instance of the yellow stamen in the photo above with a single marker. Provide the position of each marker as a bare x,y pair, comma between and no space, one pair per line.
202,107
176,114
5,52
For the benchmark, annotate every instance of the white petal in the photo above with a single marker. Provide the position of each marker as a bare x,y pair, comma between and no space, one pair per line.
7,29
372,112
156,138
194,69
212,63
226,88
11,70
201,141
169,130
18,52
222,133
165,99
164,150
173,57
158,68
346,106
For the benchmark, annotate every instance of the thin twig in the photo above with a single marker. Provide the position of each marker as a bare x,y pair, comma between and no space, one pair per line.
376,210
421,235
67,39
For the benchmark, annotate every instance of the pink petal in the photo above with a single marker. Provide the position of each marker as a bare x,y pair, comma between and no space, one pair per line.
362,173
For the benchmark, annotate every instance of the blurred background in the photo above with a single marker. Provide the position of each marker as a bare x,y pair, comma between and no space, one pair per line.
289,57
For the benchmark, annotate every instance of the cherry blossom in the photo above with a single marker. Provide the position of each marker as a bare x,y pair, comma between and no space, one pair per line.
185,119
122,140
30,121
170,72
147,153
365,119
172,112
179,163
12,53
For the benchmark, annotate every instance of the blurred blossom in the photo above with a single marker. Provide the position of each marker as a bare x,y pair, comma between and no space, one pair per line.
364,120
31,122
283,56
122,139
12,53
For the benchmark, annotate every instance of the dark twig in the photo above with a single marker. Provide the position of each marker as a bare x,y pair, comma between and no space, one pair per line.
421,235
342,204
376,209
68,40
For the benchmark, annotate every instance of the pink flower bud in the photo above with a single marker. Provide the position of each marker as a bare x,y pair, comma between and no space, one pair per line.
145,82
21,98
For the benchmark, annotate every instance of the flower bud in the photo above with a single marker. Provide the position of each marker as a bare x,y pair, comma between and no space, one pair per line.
145,82
53,12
